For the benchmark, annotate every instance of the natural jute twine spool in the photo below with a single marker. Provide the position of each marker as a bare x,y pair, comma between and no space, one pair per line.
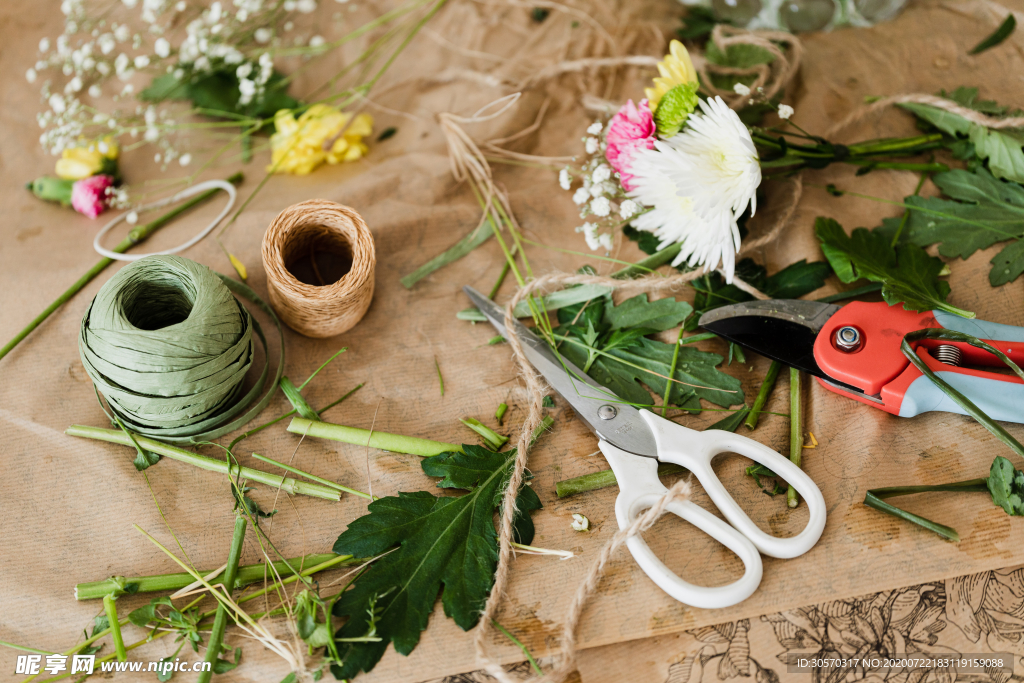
311,310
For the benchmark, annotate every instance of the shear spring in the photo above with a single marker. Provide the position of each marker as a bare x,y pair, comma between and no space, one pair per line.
948,354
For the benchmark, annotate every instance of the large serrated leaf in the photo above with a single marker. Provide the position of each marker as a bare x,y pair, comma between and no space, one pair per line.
435,542
981,212
907,273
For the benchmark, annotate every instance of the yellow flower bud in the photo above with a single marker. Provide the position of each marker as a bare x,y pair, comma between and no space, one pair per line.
300,145
675,69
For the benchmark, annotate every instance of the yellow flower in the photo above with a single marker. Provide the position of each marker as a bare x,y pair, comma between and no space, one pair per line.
675,69
87,160
298,145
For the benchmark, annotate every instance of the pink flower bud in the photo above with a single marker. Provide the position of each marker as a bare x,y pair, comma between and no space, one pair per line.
632,128
89,195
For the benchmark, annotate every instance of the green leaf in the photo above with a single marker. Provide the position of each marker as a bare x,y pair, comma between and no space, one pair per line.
731,423
222,666
447,542
548,402
981,212
165,87
645,240
739,55
1003,151
697,370
907,273
660,315
1006,485
997,36
698,23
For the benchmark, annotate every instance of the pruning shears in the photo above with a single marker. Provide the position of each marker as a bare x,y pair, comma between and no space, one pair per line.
635,440
854,350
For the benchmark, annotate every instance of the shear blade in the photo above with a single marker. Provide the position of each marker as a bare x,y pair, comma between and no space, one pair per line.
779,329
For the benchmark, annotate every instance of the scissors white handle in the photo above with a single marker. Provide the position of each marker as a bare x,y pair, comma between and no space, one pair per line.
640,488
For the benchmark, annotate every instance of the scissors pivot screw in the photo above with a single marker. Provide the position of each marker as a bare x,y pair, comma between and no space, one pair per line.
848,339
607,412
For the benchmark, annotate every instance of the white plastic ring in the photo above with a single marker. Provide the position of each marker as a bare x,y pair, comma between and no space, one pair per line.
184,194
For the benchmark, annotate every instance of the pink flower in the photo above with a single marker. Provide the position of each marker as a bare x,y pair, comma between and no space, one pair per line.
631,129
89,195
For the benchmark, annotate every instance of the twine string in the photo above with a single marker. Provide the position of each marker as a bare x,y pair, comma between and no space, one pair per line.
316,224
933,101
168,348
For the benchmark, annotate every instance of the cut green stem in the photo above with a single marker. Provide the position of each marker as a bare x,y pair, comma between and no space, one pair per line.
763,393
875,499
172,582
220,621
311,477
796,440
491,437
499,414
287,484
115,626
395,443
603,479
136,236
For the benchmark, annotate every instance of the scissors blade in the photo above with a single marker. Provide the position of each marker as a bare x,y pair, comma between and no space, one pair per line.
622,426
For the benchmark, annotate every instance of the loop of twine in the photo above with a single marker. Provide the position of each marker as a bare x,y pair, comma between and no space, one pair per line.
933,101
771,77
328,310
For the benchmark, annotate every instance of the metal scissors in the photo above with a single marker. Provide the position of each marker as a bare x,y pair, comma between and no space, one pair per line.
635,441
854,350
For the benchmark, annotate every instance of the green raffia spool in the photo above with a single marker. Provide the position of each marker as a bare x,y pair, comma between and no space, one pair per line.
168,346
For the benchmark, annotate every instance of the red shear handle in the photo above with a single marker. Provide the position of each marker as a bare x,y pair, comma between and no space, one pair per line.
879,361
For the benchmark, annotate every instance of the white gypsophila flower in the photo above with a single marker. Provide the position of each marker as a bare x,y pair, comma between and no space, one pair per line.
162,47
590,235
141,62
244,70
741,89
581,196
785,111
580,522
263,35
122,33
306,6
316,41
595,128
601,207
628,208
591,145
132,218
601,173
31,75
606,241
698,183
564,180
185,159
44,44
95,90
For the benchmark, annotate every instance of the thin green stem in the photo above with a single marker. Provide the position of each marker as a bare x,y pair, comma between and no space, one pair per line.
672,369
136,236
311,477
115,626
201,461
515,641
291,412
220,621
796,442
763,393
693,339
906,214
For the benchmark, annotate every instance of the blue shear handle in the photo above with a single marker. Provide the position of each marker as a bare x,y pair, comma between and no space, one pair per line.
999,399
982,329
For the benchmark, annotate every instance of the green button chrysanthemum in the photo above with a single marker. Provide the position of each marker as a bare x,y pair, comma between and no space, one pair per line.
674,108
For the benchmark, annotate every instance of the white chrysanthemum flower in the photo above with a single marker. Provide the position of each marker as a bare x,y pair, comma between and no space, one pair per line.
564,179
785,111
698,183
741,89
